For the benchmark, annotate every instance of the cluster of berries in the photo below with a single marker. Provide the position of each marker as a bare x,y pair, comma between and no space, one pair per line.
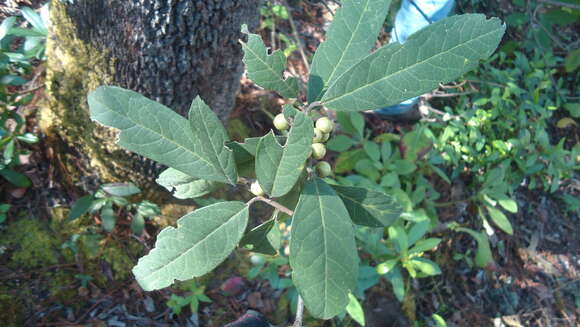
322,129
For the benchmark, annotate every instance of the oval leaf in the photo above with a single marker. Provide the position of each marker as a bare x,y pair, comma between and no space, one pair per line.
152,130
368,207
323,252
279,167
439,53
201,241
500,219
351,36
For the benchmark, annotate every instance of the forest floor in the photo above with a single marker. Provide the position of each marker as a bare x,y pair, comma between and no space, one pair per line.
535,280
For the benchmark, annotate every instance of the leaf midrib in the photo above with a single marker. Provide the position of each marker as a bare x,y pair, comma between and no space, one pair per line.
154,132
348,43
197,243
213,146
397,72
322,221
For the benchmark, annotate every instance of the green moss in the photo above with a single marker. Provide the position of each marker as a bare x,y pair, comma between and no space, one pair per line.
63,287
11,313
32,243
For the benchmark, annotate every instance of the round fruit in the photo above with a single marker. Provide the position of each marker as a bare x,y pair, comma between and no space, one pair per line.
318,150
318,136
280,122
323,168
324,124
256,189
257,260
325,137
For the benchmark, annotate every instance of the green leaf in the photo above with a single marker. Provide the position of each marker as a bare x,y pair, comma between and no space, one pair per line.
350,38
201,241
323,252
425,245
355,310
439,53
340,143
6,26
368,207
266,70
483,257
121,189
439,321
108,217
35,20
279,167
418,230
137,224
395,276
15,178
152,130
500,219
399,238
426,266
212,136
184,186
264,238
80,207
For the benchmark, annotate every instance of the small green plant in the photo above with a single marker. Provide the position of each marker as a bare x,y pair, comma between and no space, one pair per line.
196,295
345,77
12,139
110,200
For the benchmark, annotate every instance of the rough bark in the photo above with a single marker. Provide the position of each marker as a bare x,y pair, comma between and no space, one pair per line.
168,50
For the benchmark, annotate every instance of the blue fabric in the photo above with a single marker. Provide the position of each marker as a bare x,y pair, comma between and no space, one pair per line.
411,17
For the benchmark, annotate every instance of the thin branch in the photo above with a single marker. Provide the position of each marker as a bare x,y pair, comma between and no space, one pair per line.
299,312
561,4
448,95
272,203
31,90
297,38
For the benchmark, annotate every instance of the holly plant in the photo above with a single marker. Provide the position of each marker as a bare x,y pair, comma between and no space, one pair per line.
283,169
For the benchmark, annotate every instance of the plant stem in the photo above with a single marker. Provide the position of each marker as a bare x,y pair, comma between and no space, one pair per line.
272,203
299,312
296,37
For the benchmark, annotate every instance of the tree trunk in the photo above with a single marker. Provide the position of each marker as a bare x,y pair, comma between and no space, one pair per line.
168,50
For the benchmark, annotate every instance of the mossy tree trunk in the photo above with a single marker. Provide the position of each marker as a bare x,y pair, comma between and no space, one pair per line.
168,50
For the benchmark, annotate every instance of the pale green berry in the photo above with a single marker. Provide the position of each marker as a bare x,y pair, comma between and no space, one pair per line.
257,260
318,136
324,124
325,137
318,150
280,122
256,189
323,168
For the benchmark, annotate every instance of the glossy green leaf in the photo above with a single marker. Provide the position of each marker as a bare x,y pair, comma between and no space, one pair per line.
368,207
483,256
425,245
15,178
399,238
80,207
349,39
323,253
121,189
137,224
211,137
395,276
439,321
266,70
500,219
439,53
152,130
418,230
201,241
264,238
184,186
35,20
108,218
355,310
426,266
279,167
